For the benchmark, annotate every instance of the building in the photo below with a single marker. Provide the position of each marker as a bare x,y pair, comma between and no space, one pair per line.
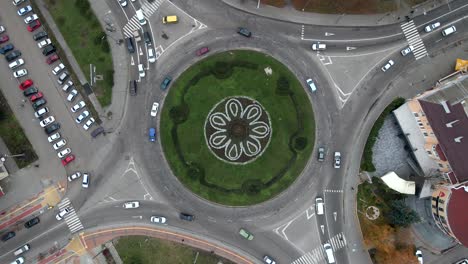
435,124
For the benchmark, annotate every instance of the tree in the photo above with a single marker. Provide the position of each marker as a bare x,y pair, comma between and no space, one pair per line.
401,215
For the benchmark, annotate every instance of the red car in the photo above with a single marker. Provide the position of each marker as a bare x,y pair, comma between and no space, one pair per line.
52,58
68,159
37,96
202,51
34,25
4,39
26,84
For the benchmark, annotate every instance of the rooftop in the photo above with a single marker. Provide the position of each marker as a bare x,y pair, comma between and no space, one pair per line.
458,215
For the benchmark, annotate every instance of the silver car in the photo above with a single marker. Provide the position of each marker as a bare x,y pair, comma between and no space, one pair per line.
82,117
64,152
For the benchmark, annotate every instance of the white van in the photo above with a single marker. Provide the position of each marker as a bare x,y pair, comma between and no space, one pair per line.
319,206
21,250
141,17
449,31
329,253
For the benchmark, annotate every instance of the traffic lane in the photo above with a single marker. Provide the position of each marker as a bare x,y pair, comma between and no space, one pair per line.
121,14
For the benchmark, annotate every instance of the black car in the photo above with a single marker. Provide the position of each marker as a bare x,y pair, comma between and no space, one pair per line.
244,32
40,35
6,48
133,87
52,128
8,236
49,49
37,104
13,55
147,38
30,91
32,222
186,217
165,83
130,46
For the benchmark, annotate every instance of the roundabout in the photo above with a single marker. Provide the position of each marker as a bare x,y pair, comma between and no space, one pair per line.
236,128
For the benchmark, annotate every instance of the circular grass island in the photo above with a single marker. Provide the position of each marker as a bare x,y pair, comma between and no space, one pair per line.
237,128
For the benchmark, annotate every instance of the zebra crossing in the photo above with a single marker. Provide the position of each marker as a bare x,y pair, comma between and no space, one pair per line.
71,218
148,9
317,255
413,38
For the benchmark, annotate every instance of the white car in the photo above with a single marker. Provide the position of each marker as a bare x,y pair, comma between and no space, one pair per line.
311,85
74,176
41,112
319,46
20,73
44,43
88,123
431,27
59,67
59,144
407,51
141,70
16,63
2,29
85,182
82,117
158,219
154,109
67,86
268,260
151,55
23,11
63,213
387,66
78,106
47,121
123,3
64,152
72,95
31,18
337,160
19,260
419,256
53,137
131,205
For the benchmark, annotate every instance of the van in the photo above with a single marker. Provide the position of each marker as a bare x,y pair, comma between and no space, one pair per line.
21,250
141,17
449,31
130,47
319,206
169,19
132,86
329,253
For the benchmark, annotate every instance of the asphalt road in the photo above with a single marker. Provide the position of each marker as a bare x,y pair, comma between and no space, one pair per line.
126,166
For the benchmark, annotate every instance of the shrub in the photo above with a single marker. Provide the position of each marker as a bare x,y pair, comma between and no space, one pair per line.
401,215
195,171
105,46
109,77
179,113
61,20
222,70
98,38
282,86
252,187
300,143
83,6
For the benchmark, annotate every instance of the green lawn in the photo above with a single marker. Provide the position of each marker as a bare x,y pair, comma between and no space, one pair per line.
143,250
277,168
13,135
83,33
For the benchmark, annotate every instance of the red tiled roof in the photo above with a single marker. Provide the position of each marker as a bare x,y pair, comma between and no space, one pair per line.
455,152
453,180
457,215
440,153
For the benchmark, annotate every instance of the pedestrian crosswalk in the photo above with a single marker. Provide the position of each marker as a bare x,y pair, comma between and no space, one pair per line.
71,218
413,38
148,9
317,255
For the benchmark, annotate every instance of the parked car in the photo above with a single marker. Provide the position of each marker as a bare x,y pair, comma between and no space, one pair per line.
58,69
68,159
61,79
72,95
47,121
96,132
39,103
387,66
431,27
16,64
40,35
165,83
22,249
13,55
419,256
141,70
88,123
152,134
4,39
36,97
33,25
26,84
186,217
74,176
30,91
246,234
62,213
319,46
31,18
132,86
244,32
6,48
53,137
78,106
52,58
151,55
321,154
19,260
2,29
158,219
202,51
20,73
39,113
61,154
85,181
82,116
44,43
23,11
59,144
49,49
337,160
17,2
52,128
154,109
131,205
8,236
407,50
32,222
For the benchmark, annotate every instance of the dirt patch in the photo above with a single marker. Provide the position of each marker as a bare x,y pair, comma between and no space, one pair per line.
345,6
276,3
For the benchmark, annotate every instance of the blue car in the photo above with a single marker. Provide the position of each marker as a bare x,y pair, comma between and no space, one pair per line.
6,48
152,134
23,11
166,82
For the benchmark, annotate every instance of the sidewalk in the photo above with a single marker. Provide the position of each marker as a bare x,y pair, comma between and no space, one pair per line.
290,14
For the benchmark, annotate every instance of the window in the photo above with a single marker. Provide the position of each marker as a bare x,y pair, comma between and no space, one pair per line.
440,165
441,209
416,114
425,134
428,152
